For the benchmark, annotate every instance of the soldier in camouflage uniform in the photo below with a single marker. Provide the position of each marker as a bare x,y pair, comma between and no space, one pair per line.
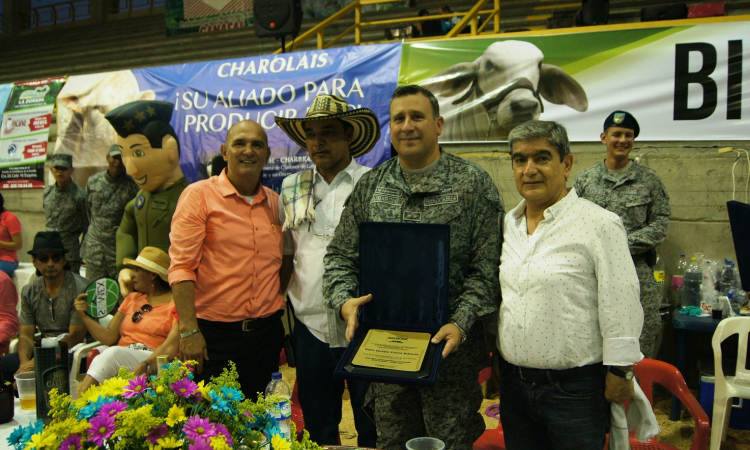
637,195
65,208
107,193
426,185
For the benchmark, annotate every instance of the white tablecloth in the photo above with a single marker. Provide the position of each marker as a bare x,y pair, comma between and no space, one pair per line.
20,417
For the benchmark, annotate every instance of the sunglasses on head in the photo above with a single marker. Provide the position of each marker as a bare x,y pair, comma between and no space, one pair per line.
138,315
55,258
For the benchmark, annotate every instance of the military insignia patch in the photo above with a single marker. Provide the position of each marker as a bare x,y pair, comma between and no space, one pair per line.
140,201
619,117
412,216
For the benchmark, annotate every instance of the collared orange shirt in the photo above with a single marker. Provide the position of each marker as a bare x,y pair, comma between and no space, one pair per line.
231,249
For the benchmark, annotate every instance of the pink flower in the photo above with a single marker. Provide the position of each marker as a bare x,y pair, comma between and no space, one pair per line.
200,444
184,388
72,442
102,427
156,433
135,387
221,429
196,428
113,408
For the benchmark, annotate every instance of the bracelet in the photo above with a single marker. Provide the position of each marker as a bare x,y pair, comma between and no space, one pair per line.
463,333
189,333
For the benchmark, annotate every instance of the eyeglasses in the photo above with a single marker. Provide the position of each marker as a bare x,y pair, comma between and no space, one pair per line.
138,315
44,258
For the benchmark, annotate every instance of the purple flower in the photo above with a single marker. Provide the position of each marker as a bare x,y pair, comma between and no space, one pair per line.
201,444
72,442
113,409
102,427
221,429
156,433
196,428
135,387
184,388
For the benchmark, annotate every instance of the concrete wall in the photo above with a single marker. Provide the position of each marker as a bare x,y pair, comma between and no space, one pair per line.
697,178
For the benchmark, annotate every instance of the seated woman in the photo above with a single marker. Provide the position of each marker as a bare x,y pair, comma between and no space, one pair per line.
144,327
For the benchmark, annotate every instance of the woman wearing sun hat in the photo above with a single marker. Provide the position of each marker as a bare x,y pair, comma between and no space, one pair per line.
144,326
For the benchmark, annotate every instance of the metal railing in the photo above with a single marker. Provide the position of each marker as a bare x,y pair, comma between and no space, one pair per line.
59,13
469,18
132,6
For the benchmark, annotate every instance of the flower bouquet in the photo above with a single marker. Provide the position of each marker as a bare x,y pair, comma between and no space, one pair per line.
167,411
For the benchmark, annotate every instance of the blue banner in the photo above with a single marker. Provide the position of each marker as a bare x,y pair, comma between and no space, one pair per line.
211,96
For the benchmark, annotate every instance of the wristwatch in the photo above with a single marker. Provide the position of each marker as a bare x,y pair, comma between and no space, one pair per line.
189,333
463,333
627,374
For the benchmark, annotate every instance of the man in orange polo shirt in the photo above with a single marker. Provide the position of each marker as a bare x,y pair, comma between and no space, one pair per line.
226,254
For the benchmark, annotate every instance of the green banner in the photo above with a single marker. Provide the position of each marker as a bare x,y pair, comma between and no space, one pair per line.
201,16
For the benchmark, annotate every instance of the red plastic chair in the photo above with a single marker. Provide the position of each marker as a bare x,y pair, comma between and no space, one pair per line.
648,371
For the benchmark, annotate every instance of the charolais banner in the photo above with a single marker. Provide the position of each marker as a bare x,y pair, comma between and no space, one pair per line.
209,97
681,83
25,131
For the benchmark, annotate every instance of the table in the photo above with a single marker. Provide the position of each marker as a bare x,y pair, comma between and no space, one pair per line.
682,324
20,417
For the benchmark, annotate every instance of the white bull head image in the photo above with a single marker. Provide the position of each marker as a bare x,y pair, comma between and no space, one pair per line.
485,99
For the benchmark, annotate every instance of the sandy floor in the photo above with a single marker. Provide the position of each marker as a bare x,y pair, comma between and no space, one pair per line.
680,434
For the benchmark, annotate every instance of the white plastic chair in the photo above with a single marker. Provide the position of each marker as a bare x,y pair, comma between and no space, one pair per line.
83,350
727,388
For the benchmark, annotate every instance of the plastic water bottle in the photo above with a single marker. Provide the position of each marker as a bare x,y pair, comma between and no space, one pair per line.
282,411
659,273
692,282
726,282
678,279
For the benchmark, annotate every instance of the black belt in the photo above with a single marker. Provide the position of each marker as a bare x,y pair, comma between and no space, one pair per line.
247,324
543,376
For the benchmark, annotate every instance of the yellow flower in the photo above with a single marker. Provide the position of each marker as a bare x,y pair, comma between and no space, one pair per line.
169,442
114,386
175,415
279,443
204,390
91,394
160,390
39,441
219,443
154,446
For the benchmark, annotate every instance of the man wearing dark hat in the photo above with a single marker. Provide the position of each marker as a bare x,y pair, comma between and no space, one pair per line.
637,195
310,206
226,255
47,303
65,208
151,154
424,184
107,193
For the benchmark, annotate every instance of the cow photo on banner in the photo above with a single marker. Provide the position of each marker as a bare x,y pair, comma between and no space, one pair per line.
209,97
686,79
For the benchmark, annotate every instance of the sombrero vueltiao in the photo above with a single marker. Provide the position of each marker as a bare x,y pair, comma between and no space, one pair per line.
365,123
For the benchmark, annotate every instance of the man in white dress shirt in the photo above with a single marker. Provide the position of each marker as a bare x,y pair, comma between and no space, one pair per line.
310,207
571,316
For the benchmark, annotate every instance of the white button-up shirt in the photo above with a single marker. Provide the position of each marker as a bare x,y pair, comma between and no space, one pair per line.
570,290
308,245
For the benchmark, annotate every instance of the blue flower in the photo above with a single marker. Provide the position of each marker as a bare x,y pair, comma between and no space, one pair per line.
267,424
219,403
93,408
232,394
21,435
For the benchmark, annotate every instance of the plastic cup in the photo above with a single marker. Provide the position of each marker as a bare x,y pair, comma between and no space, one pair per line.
425,443
74,389
26,384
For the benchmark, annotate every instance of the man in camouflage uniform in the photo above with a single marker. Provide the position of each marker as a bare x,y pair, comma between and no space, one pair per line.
426,185
65,208
637,195
107,193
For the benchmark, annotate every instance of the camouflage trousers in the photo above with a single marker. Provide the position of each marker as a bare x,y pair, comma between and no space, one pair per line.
447,411
650,301
95,271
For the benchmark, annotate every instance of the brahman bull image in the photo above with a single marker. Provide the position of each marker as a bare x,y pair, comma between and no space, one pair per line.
485,99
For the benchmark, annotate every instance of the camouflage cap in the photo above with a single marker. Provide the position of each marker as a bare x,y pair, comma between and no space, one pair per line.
61,160
114,150
132,118
622,119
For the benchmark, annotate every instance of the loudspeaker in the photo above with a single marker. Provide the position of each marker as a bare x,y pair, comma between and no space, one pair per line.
666,12
277,18
594,12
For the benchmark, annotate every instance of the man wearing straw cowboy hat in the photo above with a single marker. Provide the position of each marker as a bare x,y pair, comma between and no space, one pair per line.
310,206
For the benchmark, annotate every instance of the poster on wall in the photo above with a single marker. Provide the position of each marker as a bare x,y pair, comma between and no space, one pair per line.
24,133
681,83
211,96
201,16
